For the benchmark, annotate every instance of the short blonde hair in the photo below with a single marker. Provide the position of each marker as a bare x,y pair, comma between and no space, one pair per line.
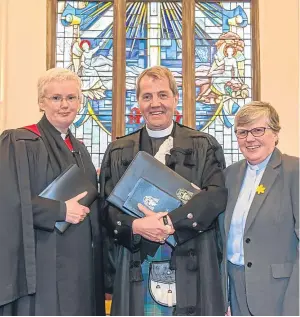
56,74
255,110
158,72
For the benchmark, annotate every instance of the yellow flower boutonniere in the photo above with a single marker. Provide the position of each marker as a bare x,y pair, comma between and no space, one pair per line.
260,189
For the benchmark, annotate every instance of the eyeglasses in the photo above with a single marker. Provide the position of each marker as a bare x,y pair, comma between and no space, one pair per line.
256,132
58,99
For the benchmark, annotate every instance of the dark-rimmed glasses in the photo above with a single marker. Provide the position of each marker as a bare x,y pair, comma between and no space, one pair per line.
256,132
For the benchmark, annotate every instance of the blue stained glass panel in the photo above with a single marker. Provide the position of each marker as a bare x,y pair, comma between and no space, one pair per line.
153,37
223,69
84,44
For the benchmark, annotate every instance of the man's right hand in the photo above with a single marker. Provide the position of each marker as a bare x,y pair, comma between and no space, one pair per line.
76,212
151,228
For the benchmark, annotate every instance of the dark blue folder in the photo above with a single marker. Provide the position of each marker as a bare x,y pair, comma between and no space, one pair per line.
153,198
150,196
153,184
67,185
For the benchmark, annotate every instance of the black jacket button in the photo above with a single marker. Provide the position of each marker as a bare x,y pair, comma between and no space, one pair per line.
248,240
192,252
191,310
249,264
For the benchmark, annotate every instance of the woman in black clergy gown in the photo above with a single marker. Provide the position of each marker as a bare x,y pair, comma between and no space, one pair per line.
44,272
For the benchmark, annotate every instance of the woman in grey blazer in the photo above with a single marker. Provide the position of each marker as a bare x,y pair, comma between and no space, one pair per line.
261,222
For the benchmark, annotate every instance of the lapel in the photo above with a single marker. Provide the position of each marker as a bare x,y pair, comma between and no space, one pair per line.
270,174
235,187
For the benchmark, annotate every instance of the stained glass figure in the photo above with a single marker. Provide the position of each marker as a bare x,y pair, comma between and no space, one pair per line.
223,69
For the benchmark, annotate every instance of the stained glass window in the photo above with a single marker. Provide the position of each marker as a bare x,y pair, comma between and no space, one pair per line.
223,69
153,37
223,63
84,45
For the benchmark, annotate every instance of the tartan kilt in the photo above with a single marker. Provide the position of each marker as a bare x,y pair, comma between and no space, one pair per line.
151,308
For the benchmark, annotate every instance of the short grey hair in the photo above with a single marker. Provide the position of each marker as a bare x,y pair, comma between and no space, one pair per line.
56,74
255,110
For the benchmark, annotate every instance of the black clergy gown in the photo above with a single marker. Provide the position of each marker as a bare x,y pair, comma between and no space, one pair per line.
44,272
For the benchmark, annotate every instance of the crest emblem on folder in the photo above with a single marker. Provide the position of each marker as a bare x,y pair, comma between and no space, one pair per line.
184,195
150,202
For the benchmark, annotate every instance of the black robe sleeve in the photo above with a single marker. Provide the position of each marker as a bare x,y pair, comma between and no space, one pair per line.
118,224
17,246
46,212
200,213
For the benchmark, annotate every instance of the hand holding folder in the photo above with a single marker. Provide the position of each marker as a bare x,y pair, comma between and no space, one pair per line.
76,212
66,186
164,221
154,185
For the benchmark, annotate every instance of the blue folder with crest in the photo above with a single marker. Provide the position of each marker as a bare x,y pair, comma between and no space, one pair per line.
150,196
154,185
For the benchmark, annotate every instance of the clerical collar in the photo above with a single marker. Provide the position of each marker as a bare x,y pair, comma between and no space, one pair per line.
261,165
64,135
160,133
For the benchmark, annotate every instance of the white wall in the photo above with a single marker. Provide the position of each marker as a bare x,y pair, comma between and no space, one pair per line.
25,60
279,44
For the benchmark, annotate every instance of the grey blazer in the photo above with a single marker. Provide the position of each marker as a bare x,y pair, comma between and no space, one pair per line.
271,236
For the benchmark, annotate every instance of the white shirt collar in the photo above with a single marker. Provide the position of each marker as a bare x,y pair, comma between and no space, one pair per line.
63,135
160,133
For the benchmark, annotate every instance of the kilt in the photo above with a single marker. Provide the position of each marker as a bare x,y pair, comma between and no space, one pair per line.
151,308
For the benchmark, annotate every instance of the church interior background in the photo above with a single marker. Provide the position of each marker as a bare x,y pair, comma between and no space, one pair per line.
187,36
211,55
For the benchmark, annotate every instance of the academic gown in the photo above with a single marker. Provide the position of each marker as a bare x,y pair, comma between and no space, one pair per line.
43,272
197,257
